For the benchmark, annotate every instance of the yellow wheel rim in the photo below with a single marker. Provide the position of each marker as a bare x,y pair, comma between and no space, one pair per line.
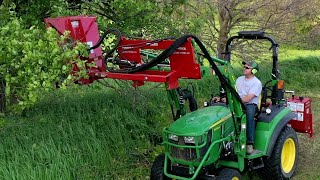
235,178
288,155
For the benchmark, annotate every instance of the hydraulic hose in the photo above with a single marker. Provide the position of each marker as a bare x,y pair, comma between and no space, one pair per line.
108,31
164,55
169,51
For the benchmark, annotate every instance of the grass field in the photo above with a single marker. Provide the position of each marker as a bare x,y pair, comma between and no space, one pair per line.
91,132
290,54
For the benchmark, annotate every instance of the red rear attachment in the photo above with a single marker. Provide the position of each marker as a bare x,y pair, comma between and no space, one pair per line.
301,106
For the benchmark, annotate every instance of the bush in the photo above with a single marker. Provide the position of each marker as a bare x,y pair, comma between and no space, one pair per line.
31,60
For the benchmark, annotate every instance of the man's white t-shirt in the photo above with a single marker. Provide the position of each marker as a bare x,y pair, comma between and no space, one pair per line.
249,86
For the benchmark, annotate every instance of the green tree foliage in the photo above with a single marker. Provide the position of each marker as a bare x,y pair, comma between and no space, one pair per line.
24,42
33,12
32,61
140,18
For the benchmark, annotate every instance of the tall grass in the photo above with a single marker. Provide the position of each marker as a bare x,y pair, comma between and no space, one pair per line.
302,74
84,133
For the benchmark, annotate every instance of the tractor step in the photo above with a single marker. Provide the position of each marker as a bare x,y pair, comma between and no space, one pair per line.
255,154
255,151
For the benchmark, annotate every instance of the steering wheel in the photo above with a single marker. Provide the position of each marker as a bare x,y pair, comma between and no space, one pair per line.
265,94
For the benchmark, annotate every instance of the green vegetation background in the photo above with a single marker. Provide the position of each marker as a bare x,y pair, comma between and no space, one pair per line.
92,132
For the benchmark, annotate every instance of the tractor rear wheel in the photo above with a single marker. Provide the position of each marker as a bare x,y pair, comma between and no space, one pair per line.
283,160
157,169
229,174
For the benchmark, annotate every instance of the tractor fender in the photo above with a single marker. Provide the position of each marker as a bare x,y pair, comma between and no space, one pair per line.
277,131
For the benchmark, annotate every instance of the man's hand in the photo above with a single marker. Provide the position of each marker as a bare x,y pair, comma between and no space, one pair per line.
218,99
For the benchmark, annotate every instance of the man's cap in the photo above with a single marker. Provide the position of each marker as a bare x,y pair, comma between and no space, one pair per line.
253,64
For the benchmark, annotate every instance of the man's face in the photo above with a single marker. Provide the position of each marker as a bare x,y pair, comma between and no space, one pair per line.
247,69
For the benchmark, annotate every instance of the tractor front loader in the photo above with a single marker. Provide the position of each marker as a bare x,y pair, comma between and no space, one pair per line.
209,142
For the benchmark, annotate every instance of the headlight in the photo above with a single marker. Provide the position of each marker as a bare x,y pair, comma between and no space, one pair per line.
194,139
173,137
189,139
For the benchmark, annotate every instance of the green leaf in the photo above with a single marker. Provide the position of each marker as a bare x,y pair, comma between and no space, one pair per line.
64,67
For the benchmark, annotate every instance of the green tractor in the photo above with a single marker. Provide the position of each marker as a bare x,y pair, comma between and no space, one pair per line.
210,143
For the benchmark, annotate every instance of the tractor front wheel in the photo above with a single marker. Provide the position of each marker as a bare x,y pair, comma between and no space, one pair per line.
229,174
283,161
157,169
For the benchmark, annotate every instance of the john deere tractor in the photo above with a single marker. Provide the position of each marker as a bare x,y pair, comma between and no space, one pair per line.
210,143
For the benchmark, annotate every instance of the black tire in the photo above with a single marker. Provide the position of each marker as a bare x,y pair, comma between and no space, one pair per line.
157,169
286,148
229,174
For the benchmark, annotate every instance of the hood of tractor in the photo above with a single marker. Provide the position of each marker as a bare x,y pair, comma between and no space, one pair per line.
201,120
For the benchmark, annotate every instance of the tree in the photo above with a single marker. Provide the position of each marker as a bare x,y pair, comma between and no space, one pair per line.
139,18
308,27
30,65
224,18
33,12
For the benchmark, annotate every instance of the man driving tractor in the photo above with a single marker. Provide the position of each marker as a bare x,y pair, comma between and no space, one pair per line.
249,88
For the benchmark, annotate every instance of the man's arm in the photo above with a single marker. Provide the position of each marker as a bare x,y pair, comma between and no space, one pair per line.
248,98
